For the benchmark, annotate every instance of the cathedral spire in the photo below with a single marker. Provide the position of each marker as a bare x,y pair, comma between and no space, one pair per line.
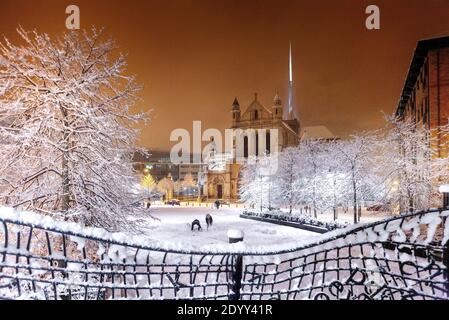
289,112
290,63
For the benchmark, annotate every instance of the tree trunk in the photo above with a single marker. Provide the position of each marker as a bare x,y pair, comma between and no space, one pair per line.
335,204
411,204
65,184
65,164
354,188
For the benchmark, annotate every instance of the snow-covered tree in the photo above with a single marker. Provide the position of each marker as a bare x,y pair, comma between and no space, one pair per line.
177,187
257,182
166,186
287,182
248,181
413,166
66,132
334,181
311,154
189,184
397,167
269,170
148,183
188,181
356,164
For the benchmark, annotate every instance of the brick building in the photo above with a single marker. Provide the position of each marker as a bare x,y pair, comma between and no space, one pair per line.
425,97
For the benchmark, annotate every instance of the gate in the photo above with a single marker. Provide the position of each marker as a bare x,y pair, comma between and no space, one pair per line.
404,257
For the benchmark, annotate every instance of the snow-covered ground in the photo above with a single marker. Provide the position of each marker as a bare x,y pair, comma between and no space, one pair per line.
175,227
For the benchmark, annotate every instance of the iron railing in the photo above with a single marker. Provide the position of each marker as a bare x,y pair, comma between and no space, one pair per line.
404,257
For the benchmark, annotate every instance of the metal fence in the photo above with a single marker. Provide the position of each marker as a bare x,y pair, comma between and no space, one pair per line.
404,257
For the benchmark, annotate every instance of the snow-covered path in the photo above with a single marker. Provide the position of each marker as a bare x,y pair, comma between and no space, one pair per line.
175,227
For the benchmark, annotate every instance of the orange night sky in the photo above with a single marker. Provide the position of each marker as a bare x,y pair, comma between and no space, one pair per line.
194,56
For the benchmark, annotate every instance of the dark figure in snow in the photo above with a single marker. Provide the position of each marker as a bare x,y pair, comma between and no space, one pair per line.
217,204
148,204
209,221
196,223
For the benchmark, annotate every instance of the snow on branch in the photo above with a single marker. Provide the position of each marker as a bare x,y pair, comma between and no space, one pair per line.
66,131
398,168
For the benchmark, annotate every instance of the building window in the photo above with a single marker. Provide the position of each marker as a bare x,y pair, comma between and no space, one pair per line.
257,143
256,115
245,147
268,142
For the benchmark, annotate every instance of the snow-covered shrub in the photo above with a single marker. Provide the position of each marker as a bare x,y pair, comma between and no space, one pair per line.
297,219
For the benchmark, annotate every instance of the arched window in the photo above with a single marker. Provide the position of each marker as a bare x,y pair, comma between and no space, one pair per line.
245,147
268,142
256,115
257,143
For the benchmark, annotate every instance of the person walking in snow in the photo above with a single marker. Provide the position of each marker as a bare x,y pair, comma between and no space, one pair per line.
209,221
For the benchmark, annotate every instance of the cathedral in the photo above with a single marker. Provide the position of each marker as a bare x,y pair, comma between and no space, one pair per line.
260,130
223,181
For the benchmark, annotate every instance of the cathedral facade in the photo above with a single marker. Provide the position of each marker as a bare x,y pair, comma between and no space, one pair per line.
258,130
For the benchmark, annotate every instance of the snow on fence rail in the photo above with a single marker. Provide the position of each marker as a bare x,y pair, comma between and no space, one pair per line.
404,257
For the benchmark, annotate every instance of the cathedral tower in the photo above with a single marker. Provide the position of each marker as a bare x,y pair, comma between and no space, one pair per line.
235,112
277,107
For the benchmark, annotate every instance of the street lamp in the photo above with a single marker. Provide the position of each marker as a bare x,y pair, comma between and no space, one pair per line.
444,189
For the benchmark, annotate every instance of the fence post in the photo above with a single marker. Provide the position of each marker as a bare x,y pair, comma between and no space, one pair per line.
236,236
446,263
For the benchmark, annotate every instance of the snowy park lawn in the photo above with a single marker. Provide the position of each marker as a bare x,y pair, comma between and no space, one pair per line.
175,227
